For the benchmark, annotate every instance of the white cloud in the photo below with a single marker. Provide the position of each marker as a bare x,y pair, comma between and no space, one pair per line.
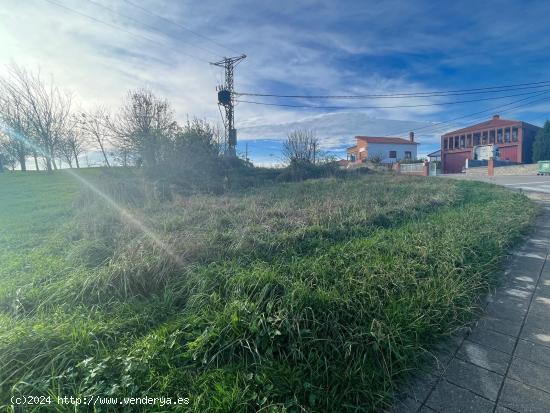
335,129
99,64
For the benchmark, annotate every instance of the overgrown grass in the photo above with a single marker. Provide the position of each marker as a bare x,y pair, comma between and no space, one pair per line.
317,296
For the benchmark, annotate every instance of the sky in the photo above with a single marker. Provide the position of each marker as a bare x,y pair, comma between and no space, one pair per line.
99,49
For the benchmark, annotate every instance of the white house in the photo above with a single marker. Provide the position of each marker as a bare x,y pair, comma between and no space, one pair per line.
385,149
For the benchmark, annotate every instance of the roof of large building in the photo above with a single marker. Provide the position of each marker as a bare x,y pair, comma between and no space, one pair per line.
381,139
495,122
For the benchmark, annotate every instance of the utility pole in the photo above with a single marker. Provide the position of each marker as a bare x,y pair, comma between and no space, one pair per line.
226,98
314,151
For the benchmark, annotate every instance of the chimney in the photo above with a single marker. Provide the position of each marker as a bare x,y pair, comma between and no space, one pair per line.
496,117
411,136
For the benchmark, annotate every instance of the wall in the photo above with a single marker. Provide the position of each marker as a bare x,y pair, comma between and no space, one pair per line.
529,169
383,150
477,171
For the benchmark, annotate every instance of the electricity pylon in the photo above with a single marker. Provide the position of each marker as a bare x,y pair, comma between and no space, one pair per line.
226,98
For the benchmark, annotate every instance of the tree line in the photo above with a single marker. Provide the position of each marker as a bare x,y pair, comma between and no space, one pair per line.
40,123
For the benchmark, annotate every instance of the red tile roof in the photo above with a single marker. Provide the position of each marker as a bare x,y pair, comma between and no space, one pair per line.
381,139
495,122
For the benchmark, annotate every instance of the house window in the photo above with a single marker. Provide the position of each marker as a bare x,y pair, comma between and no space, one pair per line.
507,135
499,136
352,157
514,134
492,136
484,138
469,141
477,139
462,141
456,142
445,143
408,154
393,155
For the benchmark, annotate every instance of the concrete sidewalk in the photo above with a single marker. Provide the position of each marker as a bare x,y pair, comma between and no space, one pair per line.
503,363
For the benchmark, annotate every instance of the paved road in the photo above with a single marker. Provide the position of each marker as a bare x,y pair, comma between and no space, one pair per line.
502,364
529,183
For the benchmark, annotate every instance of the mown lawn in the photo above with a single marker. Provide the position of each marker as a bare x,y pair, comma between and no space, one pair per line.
317,296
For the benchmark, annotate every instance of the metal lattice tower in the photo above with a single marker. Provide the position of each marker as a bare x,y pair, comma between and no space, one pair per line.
226,98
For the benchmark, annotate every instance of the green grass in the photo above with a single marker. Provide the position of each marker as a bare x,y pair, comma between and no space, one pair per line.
318,296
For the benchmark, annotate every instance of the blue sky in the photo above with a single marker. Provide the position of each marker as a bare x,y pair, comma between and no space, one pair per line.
293,47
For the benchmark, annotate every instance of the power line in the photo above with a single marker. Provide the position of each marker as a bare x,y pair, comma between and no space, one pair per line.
435,127
116,27
384,107
111,10
181,26
491,89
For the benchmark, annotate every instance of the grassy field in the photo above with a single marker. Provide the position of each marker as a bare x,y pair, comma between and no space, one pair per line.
317,296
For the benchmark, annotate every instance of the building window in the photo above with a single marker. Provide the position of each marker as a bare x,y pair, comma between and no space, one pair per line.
456,142
352,157
462,141
469,141
514,134
492,136
408,154
499,136
507,135
477,139
393,155
445,143
484,139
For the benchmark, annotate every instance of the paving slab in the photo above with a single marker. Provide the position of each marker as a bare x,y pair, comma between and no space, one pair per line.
449,398
500,325
426,409
420,387
474,378
493,339
536,334
533,352
523,398
436,363
406,405
532,374
485,357
501,409
510,309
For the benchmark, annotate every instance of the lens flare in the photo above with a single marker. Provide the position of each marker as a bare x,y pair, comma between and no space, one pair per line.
124,213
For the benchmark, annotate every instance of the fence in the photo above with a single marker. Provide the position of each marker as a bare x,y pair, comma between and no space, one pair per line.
412,168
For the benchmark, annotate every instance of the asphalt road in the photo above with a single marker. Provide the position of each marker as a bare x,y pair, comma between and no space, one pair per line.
528,183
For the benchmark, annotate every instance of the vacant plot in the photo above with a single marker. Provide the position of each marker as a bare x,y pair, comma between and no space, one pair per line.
317,296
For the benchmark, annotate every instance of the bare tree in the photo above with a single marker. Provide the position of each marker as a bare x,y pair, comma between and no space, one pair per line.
72,142
14,125
143,124
7,157
46,110
96,127
301,145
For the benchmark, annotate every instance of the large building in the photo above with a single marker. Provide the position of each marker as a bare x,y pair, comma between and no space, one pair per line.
514,139
386,150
